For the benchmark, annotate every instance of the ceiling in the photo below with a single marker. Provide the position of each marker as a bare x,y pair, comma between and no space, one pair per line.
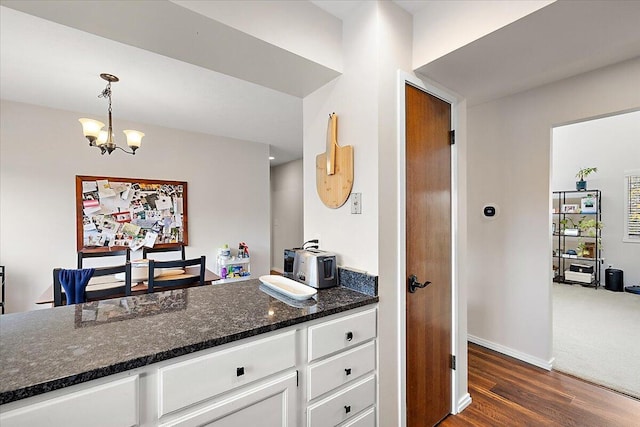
560,40
242,88
44,62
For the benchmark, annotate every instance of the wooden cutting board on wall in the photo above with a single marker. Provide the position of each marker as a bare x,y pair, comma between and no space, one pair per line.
334,169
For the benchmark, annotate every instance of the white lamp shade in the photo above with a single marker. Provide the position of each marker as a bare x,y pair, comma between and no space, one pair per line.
102,137
134,138
91,127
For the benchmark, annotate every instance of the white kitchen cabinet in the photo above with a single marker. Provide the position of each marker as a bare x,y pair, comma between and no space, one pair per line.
341,375
341,369
366,419
319,373
342,405
342,333
270,404
196,379
112,404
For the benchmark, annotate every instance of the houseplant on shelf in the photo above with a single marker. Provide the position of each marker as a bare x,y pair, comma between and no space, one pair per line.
568,227
589,226
581,184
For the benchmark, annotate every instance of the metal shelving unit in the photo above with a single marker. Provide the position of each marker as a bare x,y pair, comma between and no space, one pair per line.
564,242
2,279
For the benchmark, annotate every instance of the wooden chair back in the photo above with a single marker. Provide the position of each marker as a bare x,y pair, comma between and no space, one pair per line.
119,289
88,253
177,248
181,280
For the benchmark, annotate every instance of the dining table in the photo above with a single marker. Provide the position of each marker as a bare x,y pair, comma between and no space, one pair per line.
137,287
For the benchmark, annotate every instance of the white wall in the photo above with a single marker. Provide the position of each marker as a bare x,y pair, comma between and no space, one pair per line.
41,151
377,39
354,98
509,263
444,26
612,144
287,199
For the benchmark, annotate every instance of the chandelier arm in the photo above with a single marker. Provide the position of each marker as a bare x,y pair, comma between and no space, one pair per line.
133,152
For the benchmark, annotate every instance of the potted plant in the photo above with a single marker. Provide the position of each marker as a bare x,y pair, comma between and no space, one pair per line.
586,249
568,227
581,184
589,227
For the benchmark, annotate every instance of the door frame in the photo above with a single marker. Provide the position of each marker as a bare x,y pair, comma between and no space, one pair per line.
406,78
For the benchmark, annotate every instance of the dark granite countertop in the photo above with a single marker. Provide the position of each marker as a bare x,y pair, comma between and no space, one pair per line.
45,350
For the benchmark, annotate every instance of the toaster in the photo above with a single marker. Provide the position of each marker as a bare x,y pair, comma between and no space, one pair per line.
289,258
315,268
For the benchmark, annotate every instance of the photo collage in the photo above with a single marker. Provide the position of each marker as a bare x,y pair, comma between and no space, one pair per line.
131,214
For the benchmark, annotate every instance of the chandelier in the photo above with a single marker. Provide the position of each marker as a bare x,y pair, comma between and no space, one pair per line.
103,139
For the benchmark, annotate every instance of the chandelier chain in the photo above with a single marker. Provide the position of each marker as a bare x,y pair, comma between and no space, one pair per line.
106,93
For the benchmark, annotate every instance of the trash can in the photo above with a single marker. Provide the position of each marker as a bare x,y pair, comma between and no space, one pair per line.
613,280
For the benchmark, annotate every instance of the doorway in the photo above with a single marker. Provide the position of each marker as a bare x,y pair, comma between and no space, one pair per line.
287,219
428,237
591,327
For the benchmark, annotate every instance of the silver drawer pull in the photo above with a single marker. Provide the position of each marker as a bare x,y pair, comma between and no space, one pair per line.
349,336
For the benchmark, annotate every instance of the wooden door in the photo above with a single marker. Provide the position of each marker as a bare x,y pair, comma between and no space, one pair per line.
428,237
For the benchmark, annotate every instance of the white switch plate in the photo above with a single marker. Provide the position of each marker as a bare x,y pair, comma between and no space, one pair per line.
356,203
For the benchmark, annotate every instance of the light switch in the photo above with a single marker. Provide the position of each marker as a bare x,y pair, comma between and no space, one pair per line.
356,203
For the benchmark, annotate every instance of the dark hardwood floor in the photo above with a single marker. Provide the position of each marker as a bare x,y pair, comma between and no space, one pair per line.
508,392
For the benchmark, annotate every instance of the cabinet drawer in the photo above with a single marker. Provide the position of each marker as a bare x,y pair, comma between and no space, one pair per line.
194,380
113,404
266,405
343,405
366,419
341,369
342,333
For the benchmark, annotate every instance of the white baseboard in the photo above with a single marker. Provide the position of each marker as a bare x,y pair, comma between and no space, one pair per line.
535,361
463,403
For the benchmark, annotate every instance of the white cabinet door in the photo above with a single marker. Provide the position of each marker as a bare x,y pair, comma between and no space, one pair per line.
113,404
272,404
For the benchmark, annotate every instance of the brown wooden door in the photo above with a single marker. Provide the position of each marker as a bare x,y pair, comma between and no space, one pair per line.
428,316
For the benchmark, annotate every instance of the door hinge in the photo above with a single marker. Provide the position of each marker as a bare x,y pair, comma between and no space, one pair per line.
297,378
453,362
452,137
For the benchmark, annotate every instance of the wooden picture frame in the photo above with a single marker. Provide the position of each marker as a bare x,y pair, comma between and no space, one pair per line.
113,213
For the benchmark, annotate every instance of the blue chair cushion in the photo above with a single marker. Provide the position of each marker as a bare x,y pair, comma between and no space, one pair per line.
74,283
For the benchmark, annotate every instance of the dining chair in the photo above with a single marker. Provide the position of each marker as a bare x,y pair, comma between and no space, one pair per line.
156,280
111,287
102,254
176,248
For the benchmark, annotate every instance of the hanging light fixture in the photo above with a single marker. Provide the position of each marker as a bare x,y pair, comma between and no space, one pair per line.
103,139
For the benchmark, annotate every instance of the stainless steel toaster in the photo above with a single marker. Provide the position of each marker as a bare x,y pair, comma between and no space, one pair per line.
315,268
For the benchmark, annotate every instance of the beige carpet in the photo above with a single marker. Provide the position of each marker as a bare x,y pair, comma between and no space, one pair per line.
596,336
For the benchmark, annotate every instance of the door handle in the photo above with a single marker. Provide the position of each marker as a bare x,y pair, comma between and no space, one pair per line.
414,284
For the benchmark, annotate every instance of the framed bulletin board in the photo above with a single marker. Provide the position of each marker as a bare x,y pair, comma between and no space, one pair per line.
118,213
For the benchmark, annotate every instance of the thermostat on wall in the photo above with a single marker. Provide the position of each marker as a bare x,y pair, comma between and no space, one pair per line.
490,211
